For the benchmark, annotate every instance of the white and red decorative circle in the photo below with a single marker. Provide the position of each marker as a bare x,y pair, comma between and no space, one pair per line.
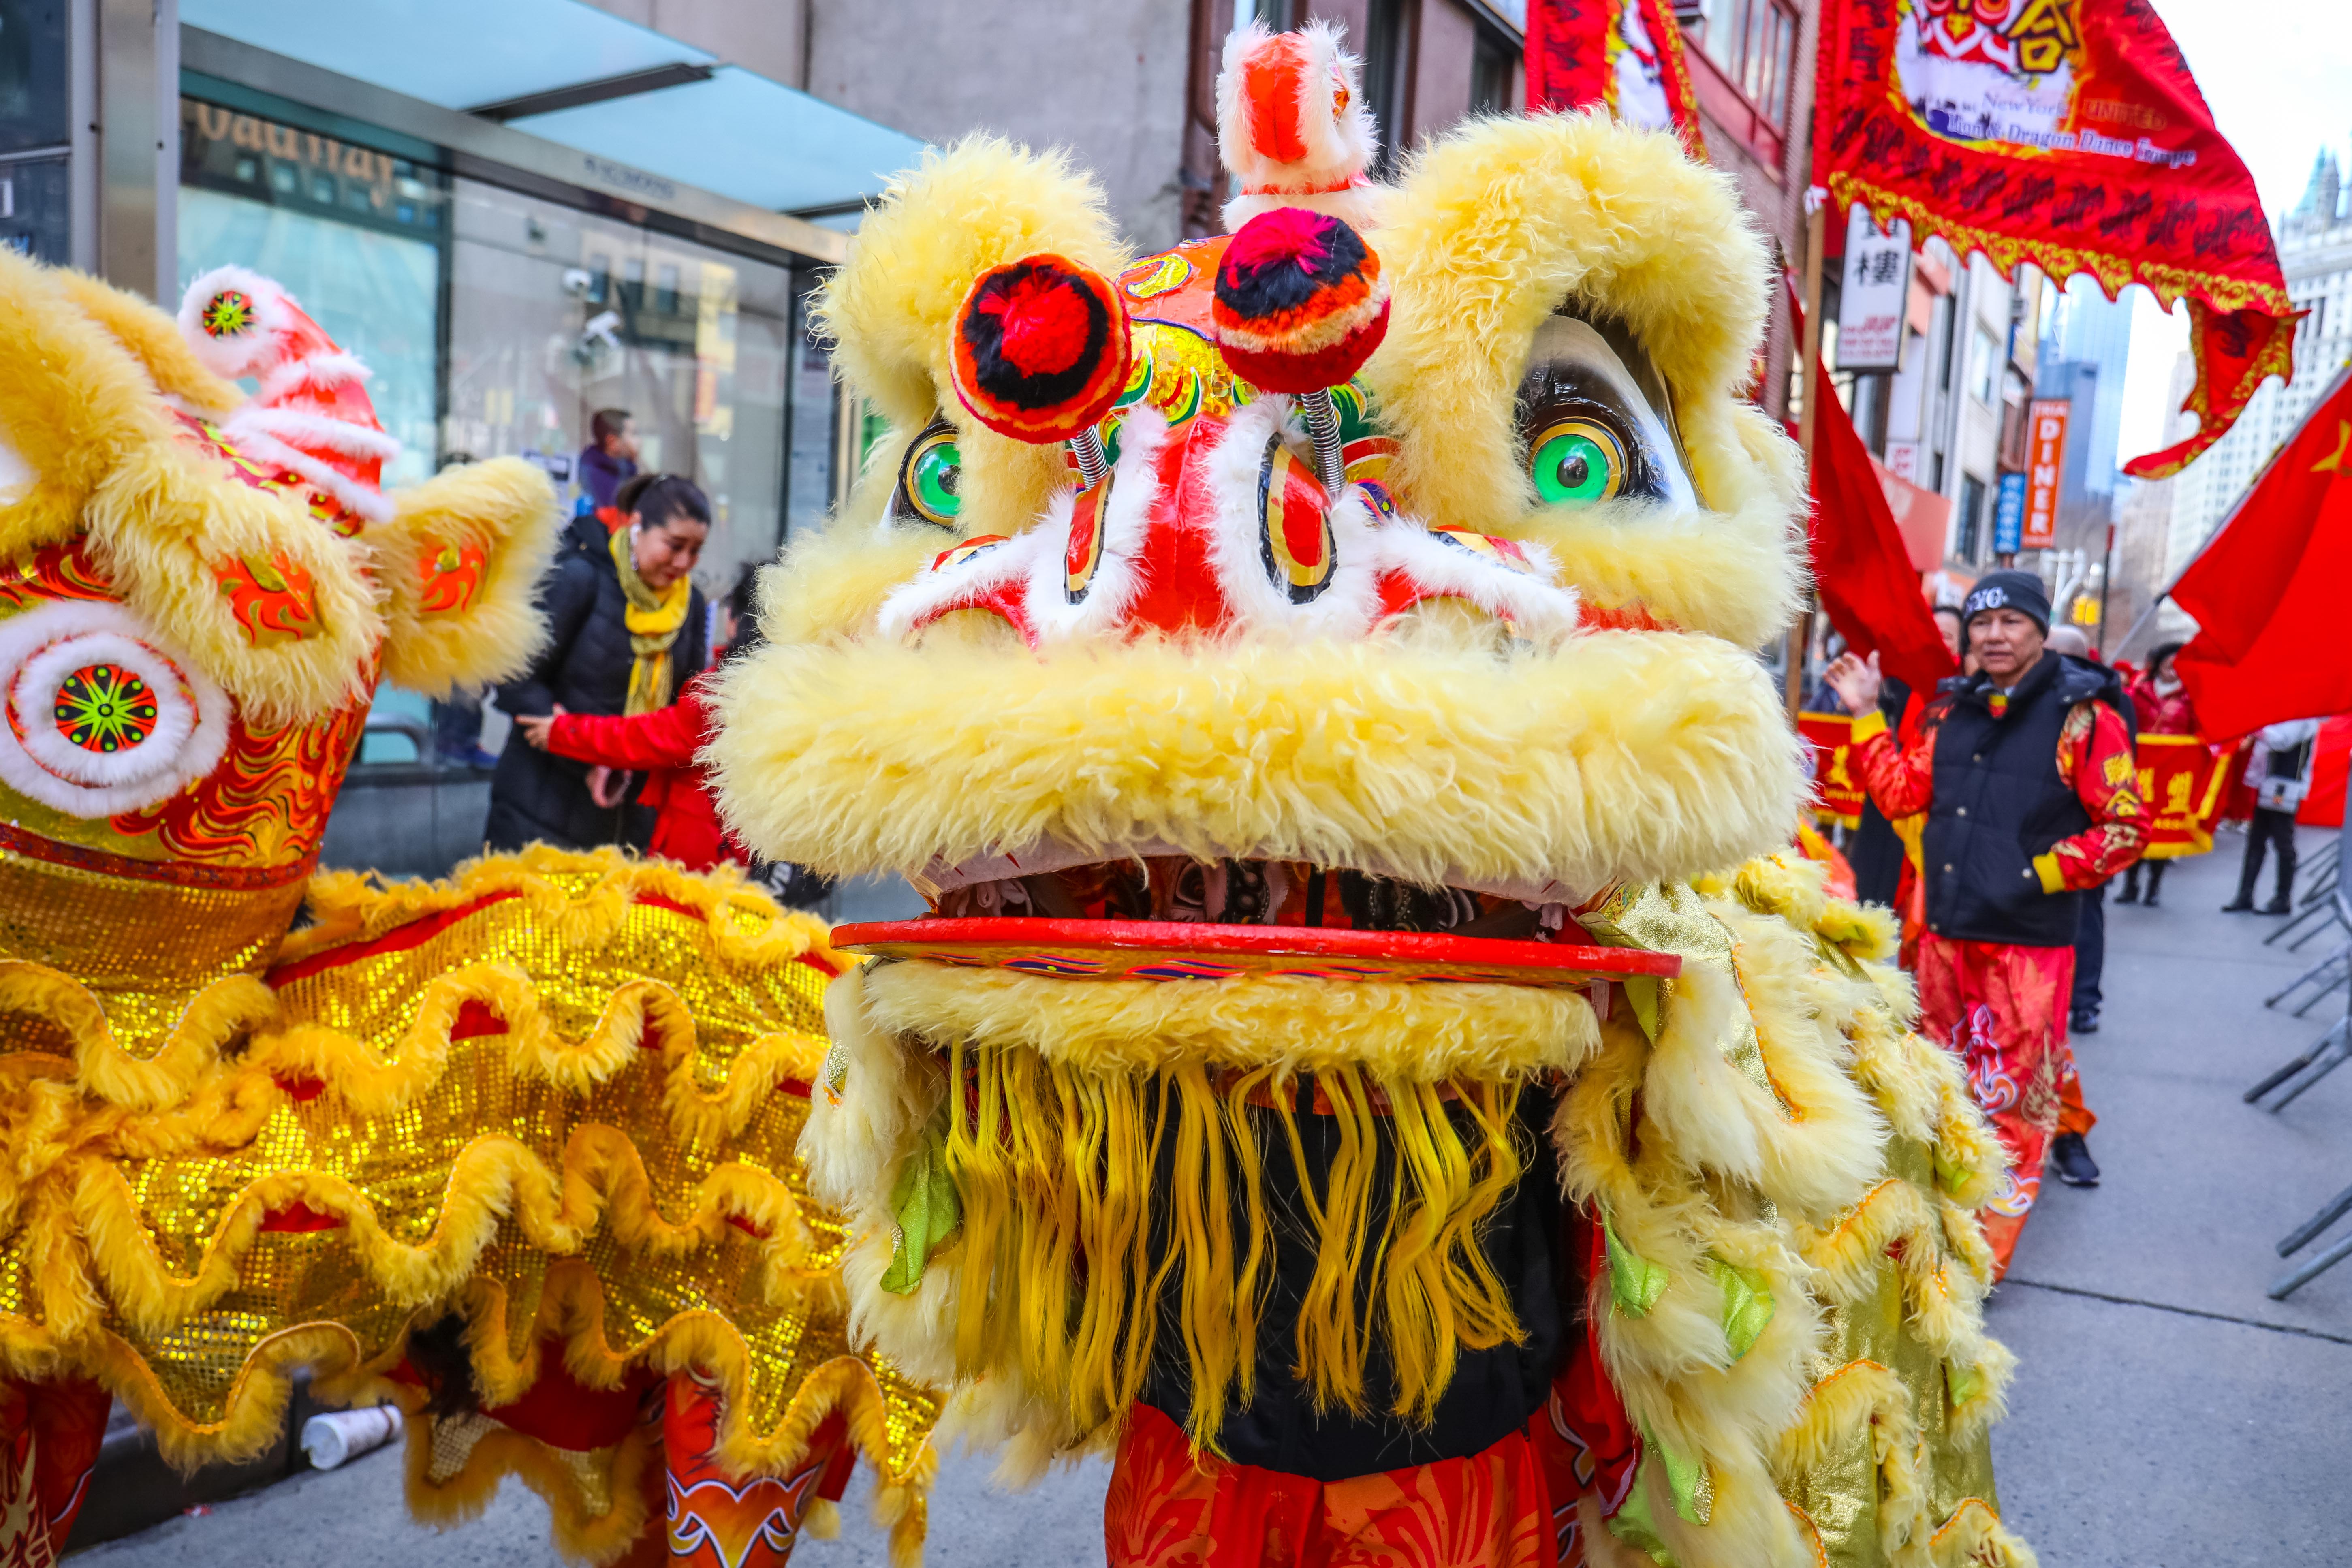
99,719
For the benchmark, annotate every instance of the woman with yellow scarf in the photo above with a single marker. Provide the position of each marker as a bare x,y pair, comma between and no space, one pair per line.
627,630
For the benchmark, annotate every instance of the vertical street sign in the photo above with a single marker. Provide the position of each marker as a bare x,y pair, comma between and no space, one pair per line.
2045,450
2008,516
1870,299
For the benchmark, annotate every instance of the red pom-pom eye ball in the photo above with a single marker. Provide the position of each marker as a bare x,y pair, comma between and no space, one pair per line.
1041,349
1299,302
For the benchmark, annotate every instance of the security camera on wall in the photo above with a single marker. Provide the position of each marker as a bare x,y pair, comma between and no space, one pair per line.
577,281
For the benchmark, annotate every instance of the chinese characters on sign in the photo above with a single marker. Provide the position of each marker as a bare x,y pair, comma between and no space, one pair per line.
2046,449
1838,794
1871,301
2183,781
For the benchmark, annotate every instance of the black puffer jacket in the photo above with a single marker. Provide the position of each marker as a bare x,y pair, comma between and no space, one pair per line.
534,796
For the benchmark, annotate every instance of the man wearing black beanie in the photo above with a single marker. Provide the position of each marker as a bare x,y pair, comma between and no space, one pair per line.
2032,794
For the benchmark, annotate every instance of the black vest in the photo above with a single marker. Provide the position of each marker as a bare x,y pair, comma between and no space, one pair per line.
2000,801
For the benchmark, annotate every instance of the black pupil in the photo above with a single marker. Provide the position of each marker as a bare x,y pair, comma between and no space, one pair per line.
947,479
1574,470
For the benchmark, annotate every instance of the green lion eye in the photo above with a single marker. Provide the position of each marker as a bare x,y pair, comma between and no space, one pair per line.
1576,462
927,477
935,479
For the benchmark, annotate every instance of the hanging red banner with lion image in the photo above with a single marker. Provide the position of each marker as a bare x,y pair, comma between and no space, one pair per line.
2067,133
1627,55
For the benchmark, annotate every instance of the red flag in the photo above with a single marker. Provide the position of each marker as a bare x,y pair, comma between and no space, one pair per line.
2067,133
2268,593
1861,569
1625,55
2323,807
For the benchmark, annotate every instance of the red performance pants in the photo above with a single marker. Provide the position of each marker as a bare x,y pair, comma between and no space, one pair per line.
2002,1010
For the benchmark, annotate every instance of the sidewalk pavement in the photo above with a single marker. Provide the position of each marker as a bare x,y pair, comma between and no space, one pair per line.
2166,1414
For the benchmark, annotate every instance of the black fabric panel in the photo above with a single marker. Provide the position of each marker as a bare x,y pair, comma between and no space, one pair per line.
1493,1393
2000,801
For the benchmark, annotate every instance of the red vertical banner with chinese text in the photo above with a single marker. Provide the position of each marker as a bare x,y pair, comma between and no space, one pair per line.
2067,134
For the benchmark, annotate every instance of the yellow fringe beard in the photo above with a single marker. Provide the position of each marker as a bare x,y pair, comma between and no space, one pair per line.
1065,1269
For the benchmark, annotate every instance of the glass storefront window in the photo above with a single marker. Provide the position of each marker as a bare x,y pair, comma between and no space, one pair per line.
357,235
556,313
34,201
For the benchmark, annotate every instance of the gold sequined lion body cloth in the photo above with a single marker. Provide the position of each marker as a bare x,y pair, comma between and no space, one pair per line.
536,1120
1367,1062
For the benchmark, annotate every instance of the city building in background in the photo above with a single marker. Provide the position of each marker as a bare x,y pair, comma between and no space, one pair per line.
2315,248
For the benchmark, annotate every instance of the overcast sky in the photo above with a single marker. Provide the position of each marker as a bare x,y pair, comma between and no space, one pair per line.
2278,75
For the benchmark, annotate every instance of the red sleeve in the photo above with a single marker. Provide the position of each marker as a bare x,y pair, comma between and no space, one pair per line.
1900,782
2094,756
665,738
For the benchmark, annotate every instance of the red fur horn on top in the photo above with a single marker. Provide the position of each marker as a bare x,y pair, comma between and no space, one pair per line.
311,414
1292,125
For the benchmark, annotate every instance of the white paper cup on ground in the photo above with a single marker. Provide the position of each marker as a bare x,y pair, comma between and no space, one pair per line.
340,1435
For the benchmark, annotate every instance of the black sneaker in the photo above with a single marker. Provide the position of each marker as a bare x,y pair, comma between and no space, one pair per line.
2128,896
2278,906
2240,905
2071,1158
2083,1024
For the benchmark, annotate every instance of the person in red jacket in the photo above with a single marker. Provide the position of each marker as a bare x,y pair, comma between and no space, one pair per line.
662,745
2031,793
2160,702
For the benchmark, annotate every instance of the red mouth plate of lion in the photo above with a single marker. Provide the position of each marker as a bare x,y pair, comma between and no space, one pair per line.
1183,949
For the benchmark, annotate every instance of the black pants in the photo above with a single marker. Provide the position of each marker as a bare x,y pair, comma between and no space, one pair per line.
2267,829
2090,950
2154,878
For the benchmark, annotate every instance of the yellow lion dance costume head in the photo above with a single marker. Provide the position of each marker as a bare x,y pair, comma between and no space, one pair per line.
1364,993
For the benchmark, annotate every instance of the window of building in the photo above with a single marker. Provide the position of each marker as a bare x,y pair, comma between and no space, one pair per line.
1389,30
1984,361
1972,500
1753,41
1940,334
358,233
1278,15
702,355
1490,76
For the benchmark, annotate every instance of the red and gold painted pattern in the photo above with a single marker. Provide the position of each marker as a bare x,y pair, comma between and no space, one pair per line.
1491,1509
1293,525
50,1433
54,572
450,577
1083,555
273,599
748,1523
266,803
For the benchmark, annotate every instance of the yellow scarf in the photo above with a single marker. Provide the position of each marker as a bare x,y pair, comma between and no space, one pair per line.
653,621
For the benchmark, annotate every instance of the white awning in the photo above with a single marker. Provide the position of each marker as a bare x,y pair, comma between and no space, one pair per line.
718,127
